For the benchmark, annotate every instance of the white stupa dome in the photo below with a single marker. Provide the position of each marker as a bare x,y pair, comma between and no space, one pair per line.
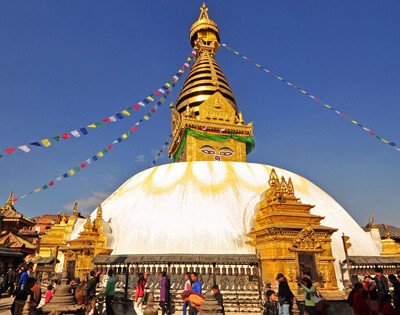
208,208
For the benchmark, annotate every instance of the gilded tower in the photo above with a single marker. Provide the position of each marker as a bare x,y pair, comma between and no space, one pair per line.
206,124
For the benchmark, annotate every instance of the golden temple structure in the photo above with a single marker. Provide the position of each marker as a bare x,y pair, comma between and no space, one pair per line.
290,239
206,124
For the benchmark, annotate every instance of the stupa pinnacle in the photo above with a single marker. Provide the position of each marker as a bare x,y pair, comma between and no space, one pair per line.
206,124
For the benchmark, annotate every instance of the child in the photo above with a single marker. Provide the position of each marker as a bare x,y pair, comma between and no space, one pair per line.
49,294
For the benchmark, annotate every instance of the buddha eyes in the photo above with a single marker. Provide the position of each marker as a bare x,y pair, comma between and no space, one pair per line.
205,151
226,153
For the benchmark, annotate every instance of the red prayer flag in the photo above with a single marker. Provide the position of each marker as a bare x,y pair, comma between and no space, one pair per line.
106,120
110,147
153,110
136,106
9,150
65,136
15,199
51,183
157,93
83,165
133,128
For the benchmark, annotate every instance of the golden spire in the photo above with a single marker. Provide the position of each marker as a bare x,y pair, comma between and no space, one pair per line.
99,212
88,224
75,211
10,200
64,218
206,76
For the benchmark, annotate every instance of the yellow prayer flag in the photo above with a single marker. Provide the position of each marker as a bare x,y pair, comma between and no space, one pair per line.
37,190
71,172
124,136
150,98
92,126
46,142
167,84
126,113
279,78
146,118
354,122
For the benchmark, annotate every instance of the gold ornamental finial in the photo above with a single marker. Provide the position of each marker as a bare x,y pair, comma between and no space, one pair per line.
88,224
10,200
99,212
75,211
387,234
202,26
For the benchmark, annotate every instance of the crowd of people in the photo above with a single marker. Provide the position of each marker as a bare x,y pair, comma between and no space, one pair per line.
371,297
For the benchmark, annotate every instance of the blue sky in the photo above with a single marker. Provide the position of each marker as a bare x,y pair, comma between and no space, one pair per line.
65,64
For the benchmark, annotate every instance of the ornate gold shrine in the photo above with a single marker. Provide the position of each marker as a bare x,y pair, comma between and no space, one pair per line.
206,125
80,252
291,240
389,246
55,239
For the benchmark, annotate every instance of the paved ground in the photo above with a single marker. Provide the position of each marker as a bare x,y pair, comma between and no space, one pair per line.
5,304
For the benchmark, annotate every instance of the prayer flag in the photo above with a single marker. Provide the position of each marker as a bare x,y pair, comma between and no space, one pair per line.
45,187
36,144
56,138
161,91
106,120
110,147
141,104
51,183
46,142
84,131
136,106
112,119
95,158
9,150
146,118
37,190
124,136
119,116
99,125
126,113
89,161
145,101
105,151
92,126
150,98
65,136
58,178
65,175
157,93
100,154
153,110
119,140
71,172
77,168
75,133
24,148
133,128
83,165
129,132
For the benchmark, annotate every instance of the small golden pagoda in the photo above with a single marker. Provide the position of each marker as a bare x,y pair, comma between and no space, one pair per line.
291,240
206,124
55,240
389,245
80,252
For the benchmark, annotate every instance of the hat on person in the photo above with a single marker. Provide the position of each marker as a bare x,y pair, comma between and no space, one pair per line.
279,275
269,293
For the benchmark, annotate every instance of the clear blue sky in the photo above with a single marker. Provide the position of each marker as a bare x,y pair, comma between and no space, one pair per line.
65,64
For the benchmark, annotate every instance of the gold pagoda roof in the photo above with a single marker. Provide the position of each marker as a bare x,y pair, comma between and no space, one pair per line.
206,77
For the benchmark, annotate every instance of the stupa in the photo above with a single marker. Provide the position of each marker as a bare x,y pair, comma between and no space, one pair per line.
211,211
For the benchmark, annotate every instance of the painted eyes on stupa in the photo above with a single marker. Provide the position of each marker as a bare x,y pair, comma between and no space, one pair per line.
224,151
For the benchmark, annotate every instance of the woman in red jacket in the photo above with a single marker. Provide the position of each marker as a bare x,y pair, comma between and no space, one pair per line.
359,303
139,296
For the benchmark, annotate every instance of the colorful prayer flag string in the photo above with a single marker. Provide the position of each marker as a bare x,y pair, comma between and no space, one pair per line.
294,86
102,152
160,151
114,118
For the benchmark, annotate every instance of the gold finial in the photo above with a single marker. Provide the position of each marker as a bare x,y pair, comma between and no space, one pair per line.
10,200
203,12
99,212
59,217
290,187
64,218
372,224
88,224
75,211
202,26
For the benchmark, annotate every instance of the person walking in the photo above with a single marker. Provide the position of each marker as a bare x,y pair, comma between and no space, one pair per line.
109,292
396,292
91,290
196,288
218,296
139,295
164,293
187,287
285,295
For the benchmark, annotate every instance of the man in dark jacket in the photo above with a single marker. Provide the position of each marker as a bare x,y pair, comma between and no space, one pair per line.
382,283
91,289
285,295
271,303
219,298
396,292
